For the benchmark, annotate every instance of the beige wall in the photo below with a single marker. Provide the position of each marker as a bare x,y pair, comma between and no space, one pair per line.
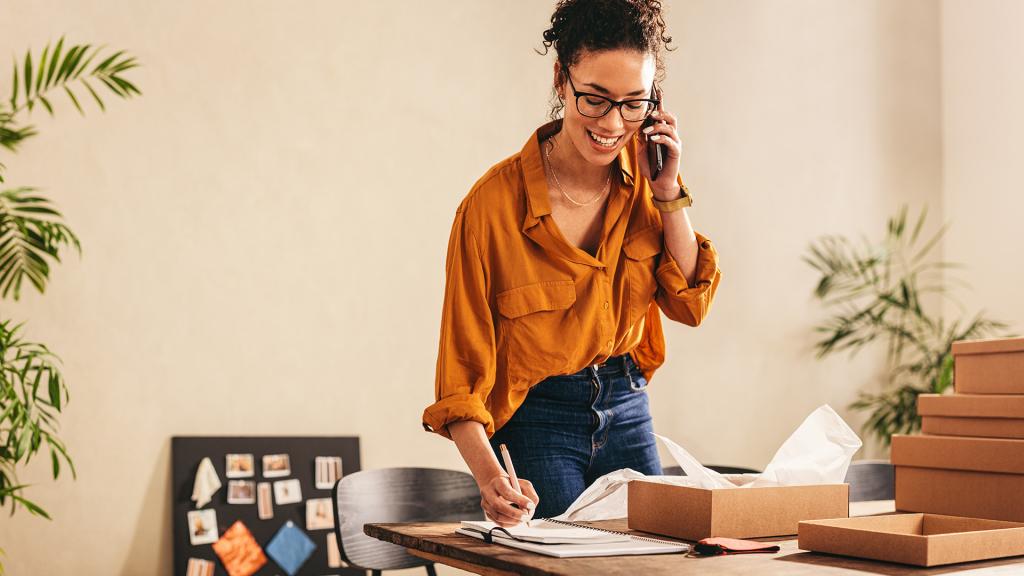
265,229
983,136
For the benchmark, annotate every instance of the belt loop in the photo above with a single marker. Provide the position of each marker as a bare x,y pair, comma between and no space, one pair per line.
629,374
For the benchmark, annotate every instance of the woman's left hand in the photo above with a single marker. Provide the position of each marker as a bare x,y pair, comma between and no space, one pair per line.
666,186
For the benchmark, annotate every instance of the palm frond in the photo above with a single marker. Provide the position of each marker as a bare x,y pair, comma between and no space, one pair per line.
35,81
891,412
32,387
60,70
32,233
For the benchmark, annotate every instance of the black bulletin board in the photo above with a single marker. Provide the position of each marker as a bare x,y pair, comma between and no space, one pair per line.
188,451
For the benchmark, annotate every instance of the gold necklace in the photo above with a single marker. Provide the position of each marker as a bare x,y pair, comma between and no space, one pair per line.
547,157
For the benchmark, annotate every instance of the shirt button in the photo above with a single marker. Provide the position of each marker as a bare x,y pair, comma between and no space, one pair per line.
605,305
610,343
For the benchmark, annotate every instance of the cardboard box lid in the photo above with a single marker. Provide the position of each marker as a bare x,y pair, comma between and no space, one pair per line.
989,346
959,453
971,405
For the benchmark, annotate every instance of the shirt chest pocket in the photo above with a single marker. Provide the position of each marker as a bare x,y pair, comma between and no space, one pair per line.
539,330
641,262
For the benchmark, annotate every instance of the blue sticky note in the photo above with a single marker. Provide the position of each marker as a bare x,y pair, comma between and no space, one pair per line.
290,548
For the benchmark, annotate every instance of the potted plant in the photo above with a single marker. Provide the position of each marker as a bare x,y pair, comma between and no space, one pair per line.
876,292
33,236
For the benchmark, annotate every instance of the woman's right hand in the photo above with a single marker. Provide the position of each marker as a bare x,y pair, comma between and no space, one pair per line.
496,493
497,497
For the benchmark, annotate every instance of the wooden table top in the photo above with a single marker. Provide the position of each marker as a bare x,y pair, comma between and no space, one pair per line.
439,543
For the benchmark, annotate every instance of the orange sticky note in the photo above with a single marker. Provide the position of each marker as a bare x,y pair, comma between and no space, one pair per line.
239,551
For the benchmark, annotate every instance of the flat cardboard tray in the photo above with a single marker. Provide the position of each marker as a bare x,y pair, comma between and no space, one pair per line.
917,539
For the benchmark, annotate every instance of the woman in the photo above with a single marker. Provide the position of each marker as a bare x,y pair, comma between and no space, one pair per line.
559,261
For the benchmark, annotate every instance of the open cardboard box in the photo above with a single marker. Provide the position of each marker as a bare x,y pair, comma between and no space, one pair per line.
696,513
959,476
918,539
989,366
984,415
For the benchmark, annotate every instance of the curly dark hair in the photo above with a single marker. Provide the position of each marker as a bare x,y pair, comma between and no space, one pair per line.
593,25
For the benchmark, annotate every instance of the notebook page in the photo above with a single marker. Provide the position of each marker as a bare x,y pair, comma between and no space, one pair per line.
549,532
630,547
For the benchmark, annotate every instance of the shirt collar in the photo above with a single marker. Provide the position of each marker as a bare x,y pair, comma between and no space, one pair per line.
532,161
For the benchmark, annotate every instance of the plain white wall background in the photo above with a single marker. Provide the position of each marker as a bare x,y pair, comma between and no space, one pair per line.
265,229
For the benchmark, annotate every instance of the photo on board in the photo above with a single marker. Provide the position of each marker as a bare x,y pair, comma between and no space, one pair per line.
239,466
287,492
202,526
276,466
328,471
241,492
319,515
264,504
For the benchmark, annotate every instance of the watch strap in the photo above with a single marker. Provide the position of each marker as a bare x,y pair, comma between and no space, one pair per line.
684,201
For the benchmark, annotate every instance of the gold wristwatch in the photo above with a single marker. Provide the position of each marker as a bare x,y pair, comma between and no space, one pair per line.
684,201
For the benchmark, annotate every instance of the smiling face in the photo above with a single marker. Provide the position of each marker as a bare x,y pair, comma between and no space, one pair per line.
616,74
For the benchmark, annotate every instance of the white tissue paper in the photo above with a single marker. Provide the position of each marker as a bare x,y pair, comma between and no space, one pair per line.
818,452
206,484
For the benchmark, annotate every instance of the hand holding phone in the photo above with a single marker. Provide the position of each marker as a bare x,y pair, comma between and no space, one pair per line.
655,152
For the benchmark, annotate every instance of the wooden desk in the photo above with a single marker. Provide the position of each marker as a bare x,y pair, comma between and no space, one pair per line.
439,543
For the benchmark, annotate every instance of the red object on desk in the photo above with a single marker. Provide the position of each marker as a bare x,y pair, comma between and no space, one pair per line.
717,546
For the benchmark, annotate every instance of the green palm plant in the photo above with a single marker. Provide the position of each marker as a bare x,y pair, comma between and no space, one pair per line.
33,236
874,292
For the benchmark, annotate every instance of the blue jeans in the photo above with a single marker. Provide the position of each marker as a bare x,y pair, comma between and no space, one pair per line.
573,429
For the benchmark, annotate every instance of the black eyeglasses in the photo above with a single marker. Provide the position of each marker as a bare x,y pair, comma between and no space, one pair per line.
596,106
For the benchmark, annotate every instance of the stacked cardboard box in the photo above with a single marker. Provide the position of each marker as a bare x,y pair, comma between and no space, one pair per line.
969,461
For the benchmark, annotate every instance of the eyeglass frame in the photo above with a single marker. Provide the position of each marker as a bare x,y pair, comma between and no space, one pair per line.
613,103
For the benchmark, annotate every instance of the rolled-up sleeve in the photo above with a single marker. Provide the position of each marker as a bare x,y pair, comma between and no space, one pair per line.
466,355
676,298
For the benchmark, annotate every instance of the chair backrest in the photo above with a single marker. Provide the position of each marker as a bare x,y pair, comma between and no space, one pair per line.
732,469
678,471
871,480
398,495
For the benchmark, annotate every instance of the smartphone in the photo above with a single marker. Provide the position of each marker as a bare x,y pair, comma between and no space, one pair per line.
656,152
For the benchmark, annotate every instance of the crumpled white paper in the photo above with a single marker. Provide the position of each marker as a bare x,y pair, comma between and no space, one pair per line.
818,452
606,493
206,484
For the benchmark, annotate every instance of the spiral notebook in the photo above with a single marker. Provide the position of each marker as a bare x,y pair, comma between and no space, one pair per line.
568,540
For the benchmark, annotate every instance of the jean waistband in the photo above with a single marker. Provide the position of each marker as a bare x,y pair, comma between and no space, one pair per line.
612,365
618,372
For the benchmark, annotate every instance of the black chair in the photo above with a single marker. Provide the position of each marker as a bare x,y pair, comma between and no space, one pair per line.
678,471
398,495
871,480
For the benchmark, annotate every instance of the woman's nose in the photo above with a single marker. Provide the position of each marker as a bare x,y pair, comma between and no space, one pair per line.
612,122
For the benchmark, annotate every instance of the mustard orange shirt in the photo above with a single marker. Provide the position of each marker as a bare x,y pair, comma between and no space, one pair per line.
522,303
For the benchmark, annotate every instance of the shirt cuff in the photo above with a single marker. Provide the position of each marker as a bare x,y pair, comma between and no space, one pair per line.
672,280
456,408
